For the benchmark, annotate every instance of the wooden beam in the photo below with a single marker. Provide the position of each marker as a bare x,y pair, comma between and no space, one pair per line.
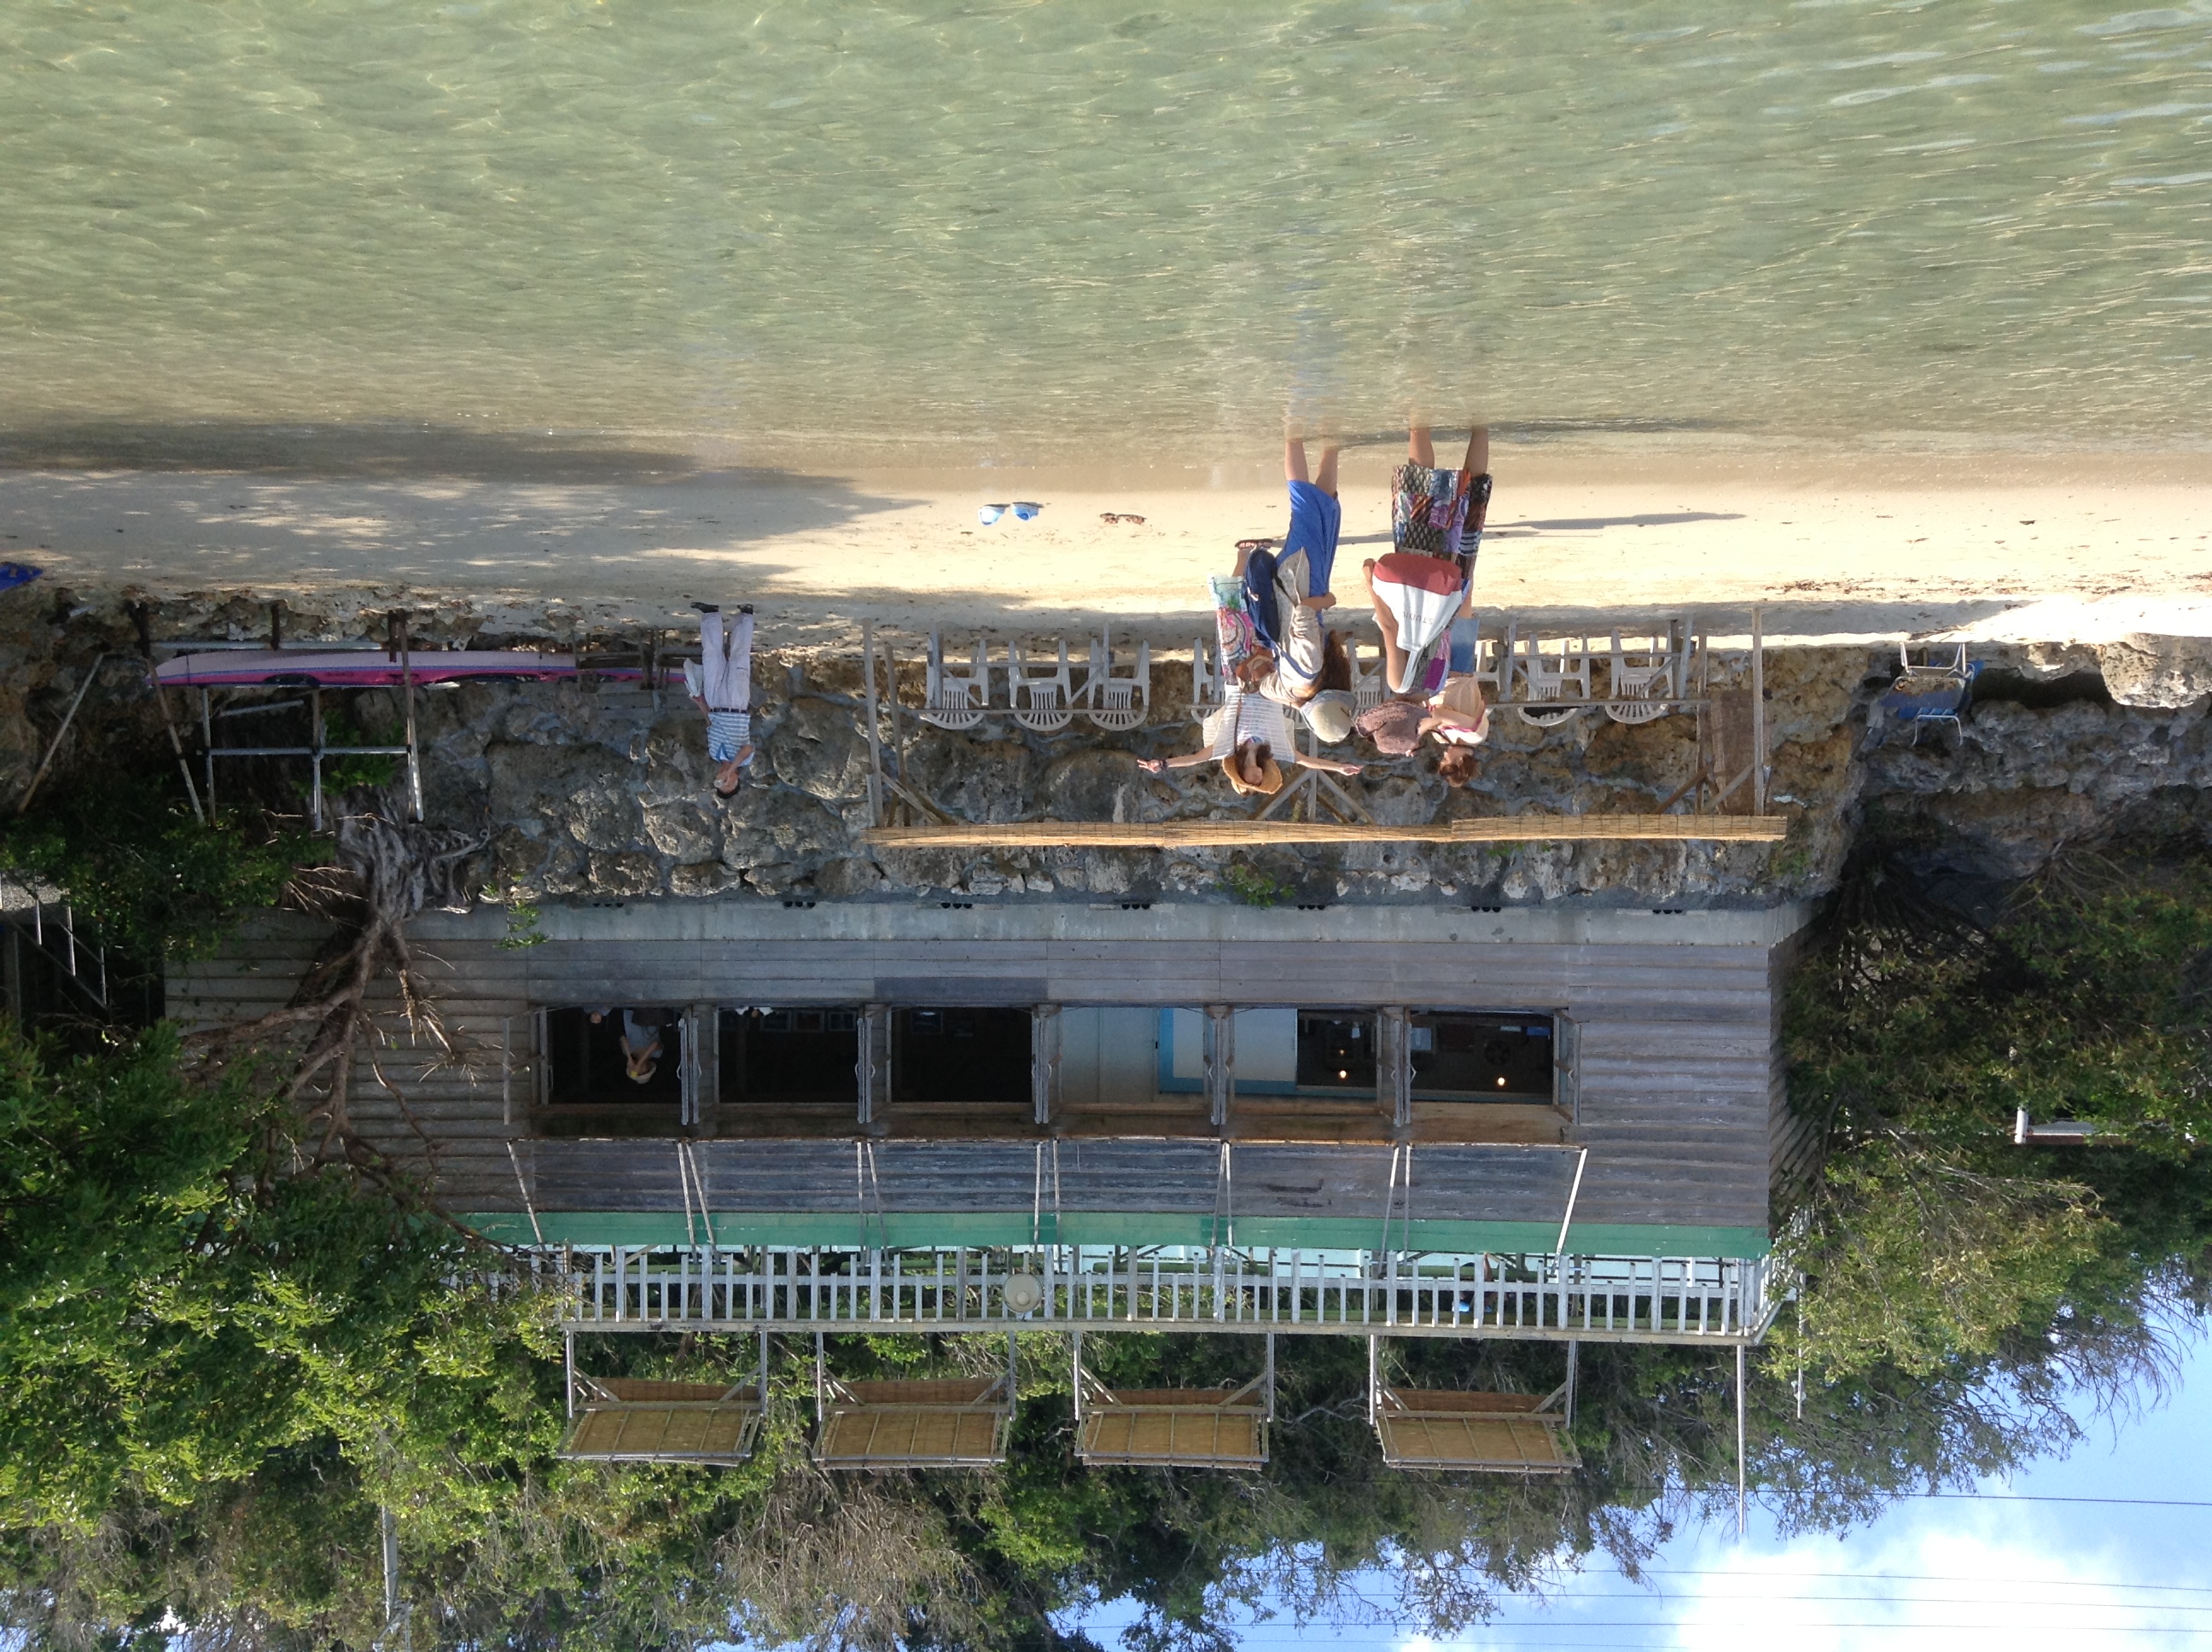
1224,833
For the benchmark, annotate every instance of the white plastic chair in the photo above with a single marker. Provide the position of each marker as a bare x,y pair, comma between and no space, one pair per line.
1118,703
1043,696
1648,679
955,699
1494,660
1562,673
1936,659
1366,685
1206,696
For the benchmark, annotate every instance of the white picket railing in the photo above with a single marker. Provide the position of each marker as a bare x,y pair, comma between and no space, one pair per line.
1696,1300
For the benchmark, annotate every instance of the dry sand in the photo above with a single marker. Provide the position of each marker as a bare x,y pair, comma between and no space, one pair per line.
1857,547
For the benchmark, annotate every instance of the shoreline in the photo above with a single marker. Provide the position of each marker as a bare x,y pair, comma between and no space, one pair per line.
2000,547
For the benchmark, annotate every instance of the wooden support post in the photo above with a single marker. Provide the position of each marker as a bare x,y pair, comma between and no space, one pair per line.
407,694
568,1364
389,1530
315,757
1044,1061
1757,710
1743,1498
875,733
207,746
1566,1066
874,1026
1574,1359
702,1067
140,618
1394,1066
55,744
1220,1063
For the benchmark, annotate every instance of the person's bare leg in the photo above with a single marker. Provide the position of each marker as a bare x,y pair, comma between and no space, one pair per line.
1478,450
1294,458
1325,477
1418,448
1393,657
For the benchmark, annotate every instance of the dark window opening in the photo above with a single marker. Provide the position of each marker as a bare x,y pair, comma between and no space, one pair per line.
587,1065
1336,1051
790,1056
1462,1056
978,1057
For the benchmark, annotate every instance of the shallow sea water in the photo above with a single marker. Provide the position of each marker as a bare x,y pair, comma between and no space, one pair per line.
1015,231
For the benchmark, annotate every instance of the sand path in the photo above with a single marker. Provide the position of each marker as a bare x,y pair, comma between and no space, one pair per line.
1858,548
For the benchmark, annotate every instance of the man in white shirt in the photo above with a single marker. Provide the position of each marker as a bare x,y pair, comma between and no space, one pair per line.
721,685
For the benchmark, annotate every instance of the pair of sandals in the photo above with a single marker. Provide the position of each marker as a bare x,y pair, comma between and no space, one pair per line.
1024,510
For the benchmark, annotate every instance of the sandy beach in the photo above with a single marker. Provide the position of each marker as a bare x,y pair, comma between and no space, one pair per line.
1848,547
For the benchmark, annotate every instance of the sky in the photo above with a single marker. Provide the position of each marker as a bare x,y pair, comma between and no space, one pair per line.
2017,1568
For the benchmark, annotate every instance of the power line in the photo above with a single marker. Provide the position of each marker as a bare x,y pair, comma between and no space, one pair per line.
1495,1628
1917,1600
2031,1496
1928,1577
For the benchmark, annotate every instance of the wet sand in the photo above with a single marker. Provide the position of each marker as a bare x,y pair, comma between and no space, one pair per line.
1837,547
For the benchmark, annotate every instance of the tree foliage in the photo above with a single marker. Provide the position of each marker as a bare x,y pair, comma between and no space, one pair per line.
222,1351
1917,1029
142,871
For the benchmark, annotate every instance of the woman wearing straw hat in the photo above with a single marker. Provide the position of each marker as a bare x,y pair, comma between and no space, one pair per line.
1251,737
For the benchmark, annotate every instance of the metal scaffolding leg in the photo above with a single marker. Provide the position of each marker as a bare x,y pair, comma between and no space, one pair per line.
1742,1499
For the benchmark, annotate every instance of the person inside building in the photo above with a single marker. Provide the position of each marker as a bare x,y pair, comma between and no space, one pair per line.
720,685
641,1032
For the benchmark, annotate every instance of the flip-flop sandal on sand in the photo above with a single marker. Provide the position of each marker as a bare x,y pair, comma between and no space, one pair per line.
1112,517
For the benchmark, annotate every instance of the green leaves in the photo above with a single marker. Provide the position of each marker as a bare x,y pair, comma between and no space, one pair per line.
144,871
1914,1262
1934,1242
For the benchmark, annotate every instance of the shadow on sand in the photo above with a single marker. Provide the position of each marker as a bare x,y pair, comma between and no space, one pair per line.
394,452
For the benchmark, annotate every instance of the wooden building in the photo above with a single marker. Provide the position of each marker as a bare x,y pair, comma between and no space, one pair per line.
1544,1081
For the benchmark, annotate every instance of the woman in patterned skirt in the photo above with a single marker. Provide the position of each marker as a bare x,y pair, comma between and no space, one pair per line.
1427,580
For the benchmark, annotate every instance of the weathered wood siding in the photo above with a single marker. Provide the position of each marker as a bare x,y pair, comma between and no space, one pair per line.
1677,1095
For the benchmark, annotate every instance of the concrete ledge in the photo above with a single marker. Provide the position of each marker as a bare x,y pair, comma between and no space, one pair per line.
751,919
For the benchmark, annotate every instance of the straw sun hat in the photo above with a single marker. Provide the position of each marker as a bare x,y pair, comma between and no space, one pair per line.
1328,714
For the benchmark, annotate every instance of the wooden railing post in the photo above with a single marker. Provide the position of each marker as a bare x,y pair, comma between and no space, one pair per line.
1220,1063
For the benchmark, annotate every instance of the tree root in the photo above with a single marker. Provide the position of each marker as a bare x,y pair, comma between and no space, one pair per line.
386,871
